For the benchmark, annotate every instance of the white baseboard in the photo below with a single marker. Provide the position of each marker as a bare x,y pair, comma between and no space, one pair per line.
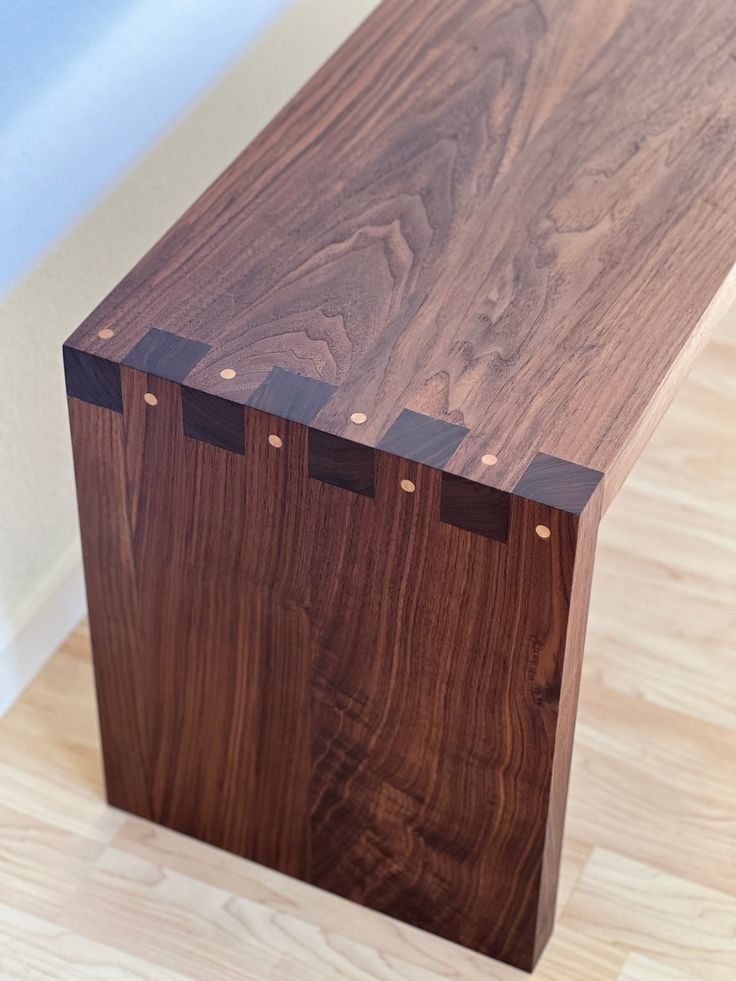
46,619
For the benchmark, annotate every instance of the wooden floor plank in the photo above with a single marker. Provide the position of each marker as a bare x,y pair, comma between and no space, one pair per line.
34,948
635,907
283,895
638,968
41,864
663,617
230,936
655,785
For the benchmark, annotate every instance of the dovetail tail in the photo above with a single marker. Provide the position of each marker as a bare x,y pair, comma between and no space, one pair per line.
415,436
291,396
558,483
92,379
341,462
162,353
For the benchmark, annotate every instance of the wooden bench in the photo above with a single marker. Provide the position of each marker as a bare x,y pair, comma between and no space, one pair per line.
343,439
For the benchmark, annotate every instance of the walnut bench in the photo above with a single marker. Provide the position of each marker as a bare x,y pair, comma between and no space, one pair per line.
344,436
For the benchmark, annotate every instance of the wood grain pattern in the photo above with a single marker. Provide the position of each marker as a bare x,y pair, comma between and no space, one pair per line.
342,462
421,438
558,483
167,354
519,220
212,420
647,888
291,395
264,705
507,253
92,379
474,507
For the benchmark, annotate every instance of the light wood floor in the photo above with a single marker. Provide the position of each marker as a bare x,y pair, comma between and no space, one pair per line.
649,869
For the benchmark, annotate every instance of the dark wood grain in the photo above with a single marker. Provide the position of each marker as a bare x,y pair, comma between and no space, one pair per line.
475,507
519,219
320,680
92,379
475,254
213,420
166,354
291,395
342,463
423,439
558,483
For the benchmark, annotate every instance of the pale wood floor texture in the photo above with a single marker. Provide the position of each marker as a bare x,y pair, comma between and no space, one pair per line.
649,870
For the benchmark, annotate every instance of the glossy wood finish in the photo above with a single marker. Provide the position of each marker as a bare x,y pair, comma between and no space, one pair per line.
510,216
341,686
344,444
647,888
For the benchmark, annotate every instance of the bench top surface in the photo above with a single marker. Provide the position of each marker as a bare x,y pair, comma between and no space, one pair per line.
516,218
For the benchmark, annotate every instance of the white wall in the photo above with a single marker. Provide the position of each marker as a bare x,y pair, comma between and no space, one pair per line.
41,595
87,87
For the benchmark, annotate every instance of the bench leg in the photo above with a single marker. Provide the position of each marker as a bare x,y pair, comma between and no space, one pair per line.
344,685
